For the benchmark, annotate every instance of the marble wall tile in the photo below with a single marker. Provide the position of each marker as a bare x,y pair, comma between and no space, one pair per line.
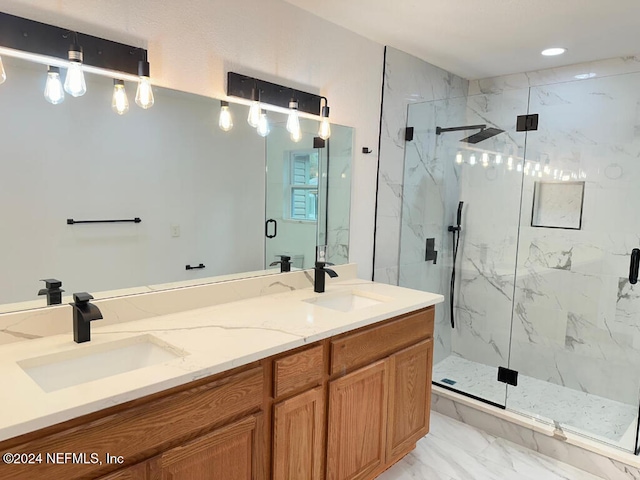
407,80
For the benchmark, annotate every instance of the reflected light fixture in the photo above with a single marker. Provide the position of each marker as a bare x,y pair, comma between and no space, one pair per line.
485,160
144,93
74,83
119,102
552,52
293,122
53,91
263,124
498,159
3,75
225,122
324,131
459,158
510,163
254,110
472,159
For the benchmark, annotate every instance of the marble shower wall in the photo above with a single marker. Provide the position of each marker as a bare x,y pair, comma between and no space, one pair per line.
407,80
576,317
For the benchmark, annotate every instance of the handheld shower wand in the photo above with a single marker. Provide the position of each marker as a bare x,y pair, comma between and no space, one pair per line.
455,230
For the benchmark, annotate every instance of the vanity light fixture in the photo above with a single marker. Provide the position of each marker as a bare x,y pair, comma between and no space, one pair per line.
49,45
119,102
254,110
74,83
3,75
144,93
279,98
53,91
324,131
225,122
293,122
263,124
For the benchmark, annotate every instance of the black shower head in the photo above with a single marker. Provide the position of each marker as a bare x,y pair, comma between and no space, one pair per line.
482,135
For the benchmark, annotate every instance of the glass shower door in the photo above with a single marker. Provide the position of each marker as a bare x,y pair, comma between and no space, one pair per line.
576,322
453,159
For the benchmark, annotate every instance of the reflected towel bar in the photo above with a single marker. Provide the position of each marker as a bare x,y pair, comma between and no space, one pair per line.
71,221
189,267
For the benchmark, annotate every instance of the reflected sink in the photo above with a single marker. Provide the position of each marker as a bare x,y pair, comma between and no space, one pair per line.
74,367
347,301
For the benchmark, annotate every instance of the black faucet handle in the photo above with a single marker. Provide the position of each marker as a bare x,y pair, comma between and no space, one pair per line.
82,297
51,283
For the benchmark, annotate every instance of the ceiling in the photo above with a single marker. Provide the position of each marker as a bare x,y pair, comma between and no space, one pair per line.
484,38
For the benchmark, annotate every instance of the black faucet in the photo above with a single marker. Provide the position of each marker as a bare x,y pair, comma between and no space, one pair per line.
52,290
83,314
320,270
285,263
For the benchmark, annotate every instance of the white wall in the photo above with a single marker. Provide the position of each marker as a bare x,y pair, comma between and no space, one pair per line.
192,46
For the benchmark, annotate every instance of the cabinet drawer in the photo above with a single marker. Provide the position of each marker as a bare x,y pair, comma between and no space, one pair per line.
144,430
370,344
298,371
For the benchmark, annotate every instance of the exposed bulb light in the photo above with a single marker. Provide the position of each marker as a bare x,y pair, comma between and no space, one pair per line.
74,83
510,163
472,159
225,122
144,93
119,102
293,122
498,159
519,167
324,131
459,158
53,91
551,52
485,160
3,75
263,124
254,110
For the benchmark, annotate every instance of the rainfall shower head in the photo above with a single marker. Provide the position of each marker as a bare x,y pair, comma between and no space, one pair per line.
483,134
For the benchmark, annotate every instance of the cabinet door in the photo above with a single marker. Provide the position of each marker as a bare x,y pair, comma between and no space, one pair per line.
409,397
298,437
357,423
226,453
137,472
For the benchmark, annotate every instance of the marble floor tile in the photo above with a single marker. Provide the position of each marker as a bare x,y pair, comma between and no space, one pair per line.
444,455
587,414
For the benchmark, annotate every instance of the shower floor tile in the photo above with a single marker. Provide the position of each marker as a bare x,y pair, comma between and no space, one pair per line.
584,413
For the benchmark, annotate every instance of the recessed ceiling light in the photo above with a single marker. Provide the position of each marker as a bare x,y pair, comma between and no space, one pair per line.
549,52
584,76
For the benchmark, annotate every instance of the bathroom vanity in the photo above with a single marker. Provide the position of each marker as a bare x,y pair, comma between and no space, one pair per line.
286,386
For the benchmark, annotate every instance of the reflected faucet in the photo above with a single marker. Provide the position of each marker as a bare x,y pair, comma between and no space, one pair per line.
52,290
285,263
83,314
320,270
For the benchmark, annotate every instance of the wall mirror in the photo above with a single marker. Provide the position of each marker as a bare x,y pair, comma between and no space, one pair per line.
203,196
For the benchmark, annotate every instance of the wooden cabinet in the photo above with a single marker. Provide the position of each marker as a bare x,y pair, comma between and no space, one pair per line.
344,408
137,472
357,423
227,453
298,437
409,398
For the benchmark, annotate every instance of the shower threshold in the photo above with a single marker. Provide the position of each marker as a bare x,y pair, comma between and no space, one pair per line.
585,414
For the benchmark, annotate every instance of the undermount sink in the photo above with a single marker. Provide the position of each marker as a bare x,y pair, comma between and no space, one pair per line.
85,364
347,301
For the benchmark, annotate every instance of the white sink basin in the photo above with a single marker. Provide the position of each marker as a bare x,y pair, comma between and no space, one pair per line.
87,363
347,301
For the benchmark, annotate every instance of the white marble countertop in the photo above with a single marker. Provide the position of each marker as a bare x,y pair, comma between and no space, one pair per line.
212,340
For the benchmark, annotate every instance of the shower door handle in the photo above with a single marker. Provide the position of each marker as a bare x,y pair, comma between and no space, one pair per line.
275,228
634,266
